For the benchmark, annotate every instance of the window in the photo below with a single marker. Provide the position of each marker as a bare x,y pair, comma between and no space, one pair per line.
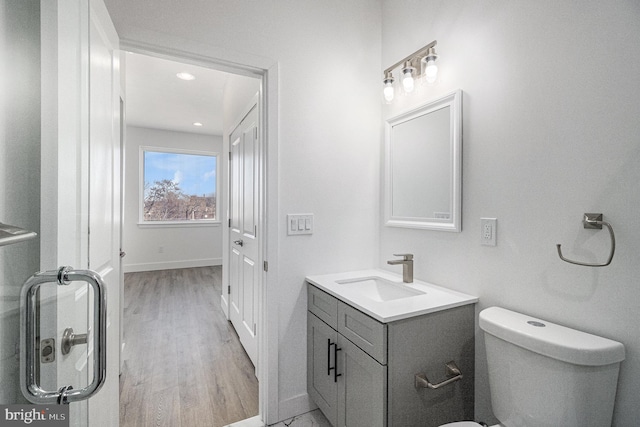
178,186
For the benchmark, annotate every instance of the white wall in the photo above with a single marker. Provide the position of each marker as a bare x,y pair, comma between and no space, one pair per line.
182,245
238,93
551,131
19,172
328,60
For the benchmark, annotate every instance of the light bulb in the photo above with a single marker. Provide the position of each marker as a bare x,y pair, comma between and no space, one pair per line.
407,79
388,90
431,71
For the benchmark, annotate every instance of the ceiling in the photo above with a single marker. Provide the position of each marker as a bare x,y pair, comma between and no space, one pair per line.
156,98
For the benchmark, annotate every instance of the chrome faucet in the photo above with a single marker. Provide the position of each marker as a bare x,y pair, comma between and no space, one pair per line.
407,266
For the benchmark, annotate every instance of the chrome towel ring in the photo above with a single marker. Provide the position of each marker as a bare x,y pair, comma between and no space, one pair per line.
593,221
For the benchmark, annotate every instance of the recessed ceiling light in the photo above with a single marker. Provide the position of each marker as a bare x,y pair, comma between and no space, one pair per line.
197,124
185,76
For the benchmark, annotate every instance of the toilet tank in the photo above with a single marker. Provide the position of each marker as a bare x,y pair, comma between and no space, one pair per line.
542,374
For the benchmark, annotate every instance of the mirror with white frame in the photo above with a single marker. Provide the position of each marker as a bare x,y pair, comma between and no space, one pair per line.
423,175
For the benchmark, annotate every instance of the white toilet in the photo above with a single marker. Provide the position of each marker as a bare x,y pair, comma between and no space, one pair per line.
543,375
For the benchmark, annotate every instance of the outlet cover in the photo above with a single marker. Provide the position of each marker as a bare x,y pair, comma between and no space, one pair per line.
488,231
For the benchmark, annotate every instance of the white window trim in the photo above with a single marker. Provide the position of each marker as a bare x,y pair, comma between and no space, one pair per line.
167,224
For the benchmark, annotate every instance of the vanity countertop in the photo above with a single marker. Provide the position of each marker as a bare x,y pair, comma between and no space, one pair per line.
429,298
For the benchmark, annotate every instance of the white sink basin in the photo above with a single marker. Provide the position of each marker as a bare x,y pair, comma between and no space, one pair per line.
379,289
385,297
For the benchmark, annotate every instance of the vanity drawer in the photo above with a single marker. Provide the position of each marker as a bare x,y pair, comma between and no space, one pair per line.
323,305
364,331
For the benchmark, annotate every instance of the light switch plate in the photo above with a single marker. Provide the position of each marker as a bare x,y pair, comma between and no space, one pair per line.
299,224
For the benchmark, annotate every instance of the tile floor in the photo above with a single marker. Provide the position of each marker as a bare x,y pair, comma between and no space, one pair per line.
310,419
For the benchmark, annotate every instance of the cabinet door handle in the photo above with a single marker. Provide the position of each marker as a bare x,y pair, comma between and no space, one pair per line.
333,368
336,349
329,368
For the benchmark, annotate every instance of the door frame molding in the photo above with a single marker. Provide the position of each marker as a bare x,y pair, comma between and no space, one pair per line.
266,69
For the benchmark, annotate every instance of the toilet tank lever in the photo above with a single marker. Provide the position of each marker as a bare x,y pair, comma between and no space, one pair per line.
453,374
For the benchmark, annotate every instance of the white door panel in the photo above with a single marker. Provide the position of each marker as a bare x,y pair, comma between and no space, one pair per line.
64,198
249,195
248,284
234,286
244,246
104,197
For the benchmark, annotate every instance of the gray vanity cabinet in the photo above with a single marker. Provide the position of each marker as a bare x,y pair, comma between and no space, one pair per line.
347,384
362,397
322,385
360,372
354,396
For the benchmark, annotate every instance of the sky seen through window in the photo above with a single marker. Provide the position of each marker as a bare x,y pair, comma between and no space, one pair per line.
195,174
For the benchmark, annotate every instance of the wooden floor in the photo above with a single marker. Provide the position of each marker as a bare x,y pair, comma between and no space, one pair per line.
184,365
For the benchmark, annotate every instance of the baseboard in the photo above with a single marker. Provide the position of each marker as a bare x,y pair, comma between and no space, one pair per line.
294,406
170,265
225,305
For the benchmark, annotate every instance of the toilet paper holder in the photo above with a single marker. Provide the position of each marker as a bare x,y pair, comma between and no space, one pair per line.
453,375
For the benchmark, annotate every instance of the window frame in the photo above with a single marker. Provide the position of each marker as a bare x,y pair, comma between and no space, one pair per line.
178,223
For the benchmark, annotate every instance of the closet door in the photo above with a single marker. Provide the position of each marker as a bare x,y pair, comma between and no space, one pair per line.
245,268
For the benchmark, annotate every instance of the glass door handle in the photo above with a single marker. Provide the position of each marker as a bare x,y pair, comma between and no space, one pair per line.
28,354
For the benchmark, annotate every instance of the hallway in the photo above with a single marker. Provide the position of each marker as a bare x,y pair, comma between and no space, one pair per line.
183,362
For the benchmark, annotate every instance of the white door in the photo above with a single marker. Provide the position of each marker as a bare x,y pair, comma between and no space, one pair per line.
245,266
64,195
76,170
104,195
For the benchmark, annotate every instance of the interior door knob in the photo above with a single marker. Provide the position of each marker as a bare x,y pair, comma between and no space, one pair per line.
69,339
239,242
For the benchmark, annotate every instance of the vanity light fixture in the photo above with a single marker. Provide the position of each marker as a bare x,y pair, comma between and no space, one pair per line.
424,59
